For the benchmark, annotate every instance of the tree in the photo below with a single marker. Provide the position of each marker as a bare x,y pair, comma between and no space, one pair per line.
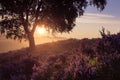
19,18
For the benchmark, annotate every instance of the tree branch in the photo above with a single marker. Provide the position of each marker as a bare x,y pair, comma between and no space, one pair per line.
36,17
25,24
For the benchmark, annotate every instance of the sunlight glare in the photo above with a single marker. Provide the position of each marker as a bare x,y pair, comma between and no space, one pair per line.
41,30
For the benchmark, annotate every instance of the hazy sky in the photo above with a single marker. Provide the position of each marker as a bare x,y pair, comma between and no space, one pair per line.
87,26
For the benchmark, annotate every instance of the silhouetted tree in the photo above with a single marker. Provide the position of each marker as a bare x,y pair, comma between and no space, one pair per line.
19,18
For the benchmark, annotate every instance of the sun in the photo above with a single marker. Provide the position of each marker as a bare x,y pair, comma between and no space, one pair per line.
41,30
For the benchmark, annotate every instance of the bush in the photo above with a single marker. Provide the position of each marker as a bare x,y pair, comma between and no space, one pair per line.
109,56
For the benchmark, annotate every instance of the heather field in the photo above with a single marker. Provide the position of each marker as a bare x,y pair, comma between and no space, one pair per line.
72,59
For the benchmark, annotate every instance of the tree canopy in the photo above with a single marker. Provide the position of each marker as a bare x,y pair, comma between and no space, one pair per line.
19,18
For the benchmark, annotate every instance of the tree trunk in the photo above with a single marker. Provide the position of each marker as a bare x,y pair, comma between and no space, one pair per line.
31,42
30,34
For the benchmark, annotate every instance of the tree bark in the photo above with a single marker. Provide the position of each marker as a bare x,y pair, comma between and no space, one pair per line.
31,42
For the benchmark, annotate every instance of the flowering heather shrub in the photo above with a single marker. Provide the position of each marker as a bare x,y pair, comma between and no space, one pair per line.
68,66
110,70
109,44
17,70
109,47
109,57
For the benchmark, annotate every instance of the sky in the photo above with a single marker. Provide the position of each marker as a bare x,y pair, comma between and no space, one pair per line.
87,26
